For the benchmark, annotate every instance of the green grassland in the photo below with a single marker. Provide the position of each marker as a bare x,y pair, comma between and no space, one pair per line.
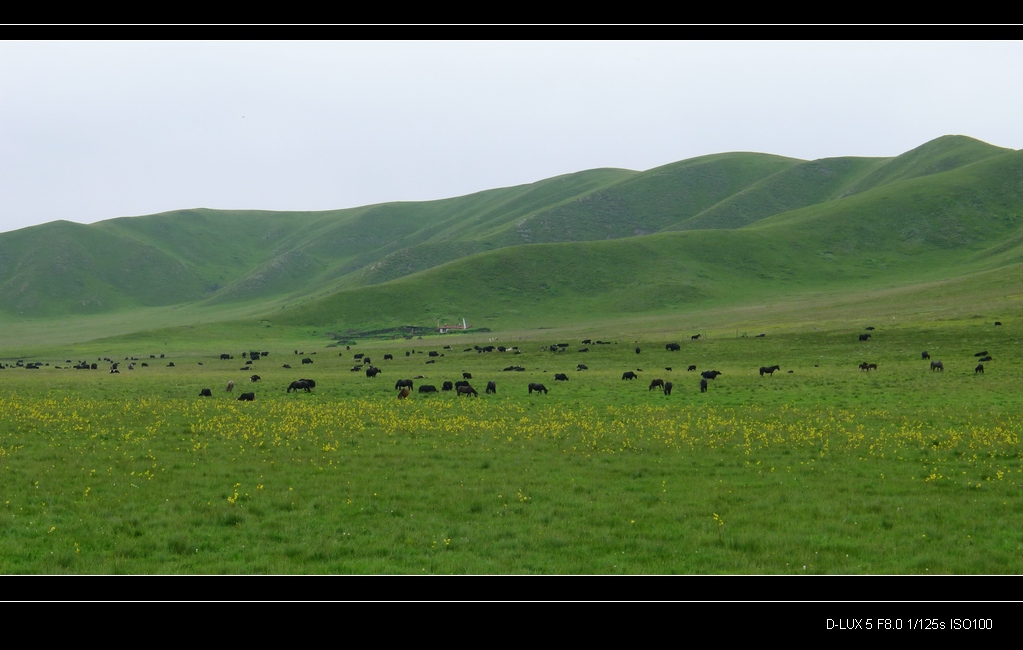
898,470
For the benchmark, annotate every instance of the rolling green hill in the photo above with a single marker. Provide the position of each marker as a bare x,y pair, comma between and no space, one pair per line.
707,232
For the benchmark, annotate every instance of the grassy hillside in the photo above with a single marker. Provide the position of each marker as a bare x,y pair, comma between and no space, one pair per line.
733,227
798,186
649,202
62,267
919,229
939,155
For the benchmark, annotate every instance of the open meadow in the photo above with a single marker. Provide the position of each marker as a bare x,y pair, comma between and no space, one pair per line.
820,467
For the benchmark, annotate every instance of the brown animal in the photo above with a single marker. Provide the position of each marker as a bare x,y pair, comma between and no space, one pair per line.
466,390
404,393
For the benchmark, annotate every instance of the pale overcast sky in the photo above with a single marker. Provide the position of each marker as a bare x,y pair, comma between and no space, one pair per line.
95,130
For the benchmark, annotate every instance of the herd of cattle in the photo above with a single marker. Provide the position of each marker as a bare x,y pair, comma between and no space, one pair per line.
463,387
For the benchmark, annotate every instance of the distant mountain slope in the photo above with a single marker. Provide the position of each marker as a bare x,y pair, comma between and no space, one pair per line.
923,228
939,155
648,202
63,267
941,195
795,187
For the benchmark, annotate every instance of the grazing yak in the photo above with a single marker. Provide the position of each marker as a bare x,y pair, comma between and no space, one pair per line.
230,386
864,337
768,370
986,359
981,354
937,365
447,386
979,368
560,377
694,337
373,371
466,390
306,384
637,350
868,366
668,368
998,323
247,397
667,388
226,356
461,383
491,387
703,385
254,378
657,383
924,355
427,389
205,392
404,393
403,383
388,357
540,388
307,360
673,347
466,375
581,367
710,374
629,375
690,368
